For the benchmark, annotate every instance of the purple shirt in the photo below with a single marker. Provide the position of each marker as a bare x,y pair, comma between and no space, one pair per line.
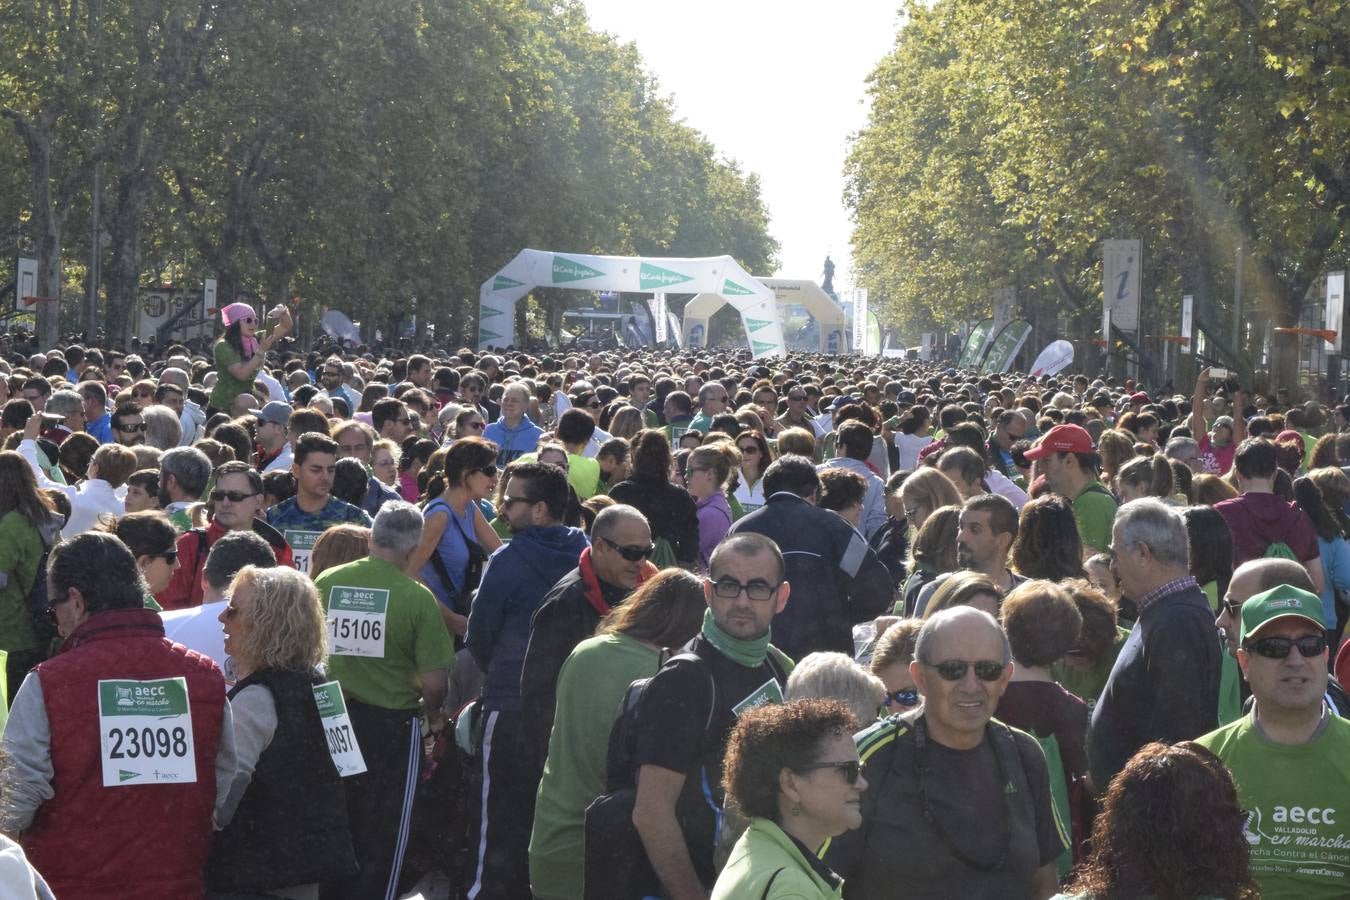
714,519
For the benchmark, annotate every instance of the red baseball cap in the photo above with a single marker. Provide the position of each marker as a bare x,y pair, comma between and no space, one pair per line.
1139,397
1062,439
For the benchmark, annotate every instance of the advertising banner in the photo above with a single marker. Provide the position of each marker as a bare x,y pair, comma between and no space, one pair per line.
1006,346
976,344
1053,359
1335,319
1187,320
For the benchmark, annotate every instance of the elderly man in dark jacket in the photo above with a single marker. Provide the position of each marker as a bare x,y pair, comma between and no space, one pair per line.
837,580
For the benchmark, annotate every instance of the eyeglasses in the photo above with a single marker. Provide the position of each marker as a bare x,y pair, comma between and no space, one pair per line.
850,769
632,554
955,669
232,496
131,429
507,501
248,320
489,471
1233,608
902,698
729,588
1309,645
230,609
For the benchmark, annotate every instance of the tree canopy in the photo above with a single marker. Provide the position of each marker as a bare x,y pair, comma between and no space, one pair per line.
1007,140
377,158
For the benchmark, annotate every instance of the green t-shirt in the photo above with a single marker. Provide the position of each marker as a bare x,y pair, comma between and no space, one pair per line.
590,687
227,386
384,629
1297,800
20,553
1095,510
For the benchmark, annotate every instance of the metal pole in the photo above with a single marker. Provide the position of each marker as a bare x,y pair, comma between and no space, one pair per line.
1237,303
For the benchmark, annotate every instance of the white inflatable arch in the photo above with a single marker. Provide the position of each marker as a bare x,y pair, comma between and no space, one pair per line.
831,321
719,276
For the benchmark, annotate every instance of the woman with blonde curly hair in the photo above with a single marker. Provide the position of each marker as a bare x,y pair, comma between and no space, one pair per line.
274,633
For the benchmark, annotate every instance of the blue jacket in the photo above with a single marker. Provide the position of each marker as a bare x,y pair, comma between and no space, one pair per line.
514,583
513,442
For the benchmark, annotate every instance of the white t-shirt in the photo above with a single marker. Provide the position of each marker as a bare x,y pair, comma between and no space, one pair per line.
910,445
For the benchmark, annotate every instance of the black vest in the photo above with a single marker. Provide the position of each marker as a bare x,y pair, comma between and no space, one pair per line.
291,826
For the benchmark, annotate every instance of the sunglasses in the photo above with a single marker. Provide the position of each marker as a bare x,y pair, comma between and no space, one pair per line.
169,556
632,554
1233,608
230,609
902,698
232,496
508,501
489,471
748,448
1309,645
247,321
851,769
955,669
476,426
131,429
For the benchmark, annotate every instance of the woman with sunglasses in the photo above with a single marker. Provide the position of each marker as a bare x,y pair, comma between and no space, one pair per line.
794,770
755,458
706,477
152,539
239,354
268,845
456,535
891,656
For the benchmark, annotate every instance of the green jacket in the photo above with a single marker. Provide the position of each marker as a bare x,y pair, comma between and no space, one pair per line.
762,852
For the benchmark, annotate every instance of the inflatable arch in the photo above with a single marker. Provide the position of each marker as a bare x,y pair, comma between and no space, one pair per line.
718,276
831,321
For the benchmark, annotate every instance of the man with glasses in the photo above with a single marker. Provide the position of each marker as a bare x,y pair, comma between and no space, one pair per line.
1290,756
236,500
962,798
391,420
514,433
1164,685
273,449
712,400
517,578
608,571
36,390
128,427
356,440
797,415
691,704
331,375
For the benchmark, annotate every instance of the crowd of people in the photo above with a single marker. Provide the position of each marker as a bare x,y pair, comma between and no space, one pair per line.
666,624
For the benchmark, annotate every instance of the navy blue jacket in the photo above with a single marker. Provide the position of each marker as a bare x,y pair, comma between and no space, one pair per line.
515,581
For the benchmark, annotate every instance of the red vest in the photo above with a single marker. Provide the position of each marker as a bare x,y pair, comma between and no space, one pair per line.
149,841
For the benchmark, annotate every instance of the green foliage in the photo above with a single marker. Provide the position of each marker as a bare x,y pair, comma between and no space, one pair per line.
373,158
1008,139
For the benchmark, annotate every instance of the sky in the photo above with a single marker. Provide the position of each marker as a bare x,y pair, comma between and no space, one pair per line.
779,87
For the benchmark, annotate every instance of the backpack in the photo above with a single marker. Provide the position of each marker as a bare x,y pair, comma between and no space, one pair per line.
39,606
1279,550
616,865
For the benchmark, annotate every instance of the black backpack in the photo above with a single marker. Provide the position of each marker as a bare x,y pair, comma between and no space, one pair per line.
616,865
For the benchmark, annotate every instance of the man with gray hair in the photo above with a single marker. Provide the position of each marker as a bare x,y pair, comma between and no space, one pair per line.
1164,685
984,824
514,433
183,475
1185,450
390,650
70,406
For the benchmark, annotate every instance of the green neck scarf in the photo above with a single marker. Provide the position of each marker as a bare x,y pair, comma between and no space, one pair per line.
748,653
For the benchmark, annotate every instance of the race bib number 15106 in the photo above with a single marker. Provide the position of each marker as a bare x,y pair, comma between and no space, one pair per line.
145,732
356,621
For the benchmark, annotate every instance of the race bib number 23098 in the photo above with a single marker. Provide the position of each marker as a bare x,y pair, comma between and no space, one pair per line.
145,732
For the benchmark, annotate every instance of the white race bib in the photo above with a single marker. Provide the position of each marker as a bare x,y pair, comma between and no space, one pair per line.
302,546
356,620
337,728
145,732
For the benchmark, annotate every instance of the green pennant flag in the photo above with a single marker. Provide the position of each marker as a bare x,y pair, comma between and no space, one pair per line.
732,289
652,277
484,335
763,346
487,312
565,269
757,324
501,283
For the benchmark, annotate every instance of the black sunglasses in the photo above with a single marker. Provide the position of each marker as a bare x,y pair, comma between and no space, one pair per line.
632,554
131,429
476,426
232,496
902,698
489,471
169,556
1309,645
851,769
955,669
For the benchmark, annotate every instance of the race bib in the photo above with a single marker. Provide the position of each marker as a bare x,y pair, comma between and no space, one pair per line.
766,693
302,546
356,620
145,732
337,728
